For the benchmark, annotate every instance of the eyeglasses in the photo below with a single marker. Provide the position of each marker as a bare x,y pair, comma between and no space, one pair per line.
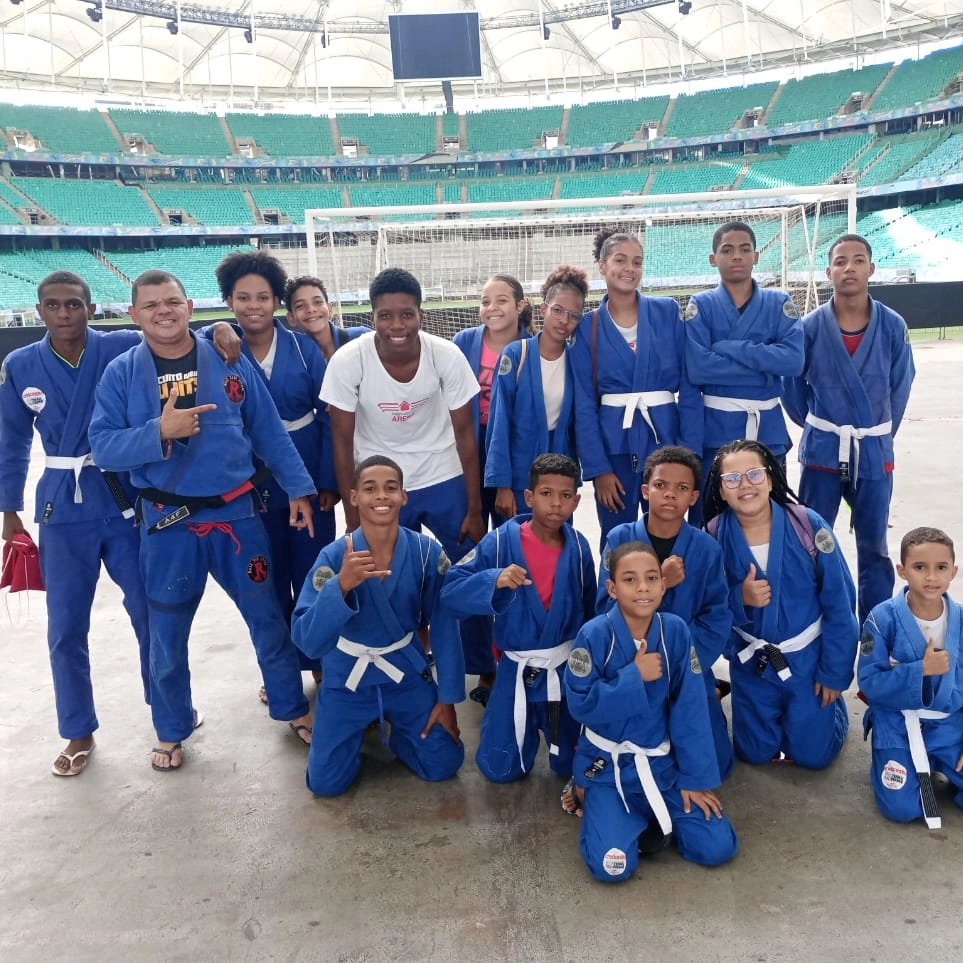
558,312
733,479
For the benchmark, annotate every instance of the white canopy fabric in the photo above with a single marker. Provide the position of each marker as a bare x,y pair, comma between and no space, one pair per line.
57,46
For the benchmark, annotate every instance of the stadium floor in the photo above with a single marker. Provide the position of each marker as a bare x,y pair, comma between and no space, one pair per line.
232,859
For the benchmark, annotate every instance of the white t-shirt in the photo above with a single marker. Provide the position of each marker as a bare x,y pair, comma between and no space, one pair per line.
408,421
631,335
761,554
553,388
934,629
267,365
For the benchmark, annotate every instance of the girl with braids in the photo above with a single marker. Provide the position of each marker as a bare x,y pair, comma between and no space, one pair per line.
631,392
793,641
532,405
506,316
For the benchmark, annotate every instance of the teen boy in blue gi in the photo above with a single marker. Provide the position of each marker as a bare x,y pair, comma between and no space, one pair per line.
371,597
192,467
850,400
535,574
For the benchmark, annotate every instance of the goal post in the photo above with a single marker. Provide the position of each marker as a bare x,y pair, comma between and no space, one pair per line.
454,248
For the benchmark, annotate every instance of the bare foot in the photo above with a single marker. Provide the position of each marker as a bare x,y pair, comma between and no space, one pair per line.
73,758
316,675
166,756
262,695
573,798
302,729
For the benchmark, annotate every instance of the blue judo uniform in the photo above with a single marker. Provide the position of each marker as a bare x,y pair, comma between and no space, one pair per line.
811,620
629,403
517,424
850,409
701,600
909,711
737,359
81,524
642,743
535,643
228,541
375,665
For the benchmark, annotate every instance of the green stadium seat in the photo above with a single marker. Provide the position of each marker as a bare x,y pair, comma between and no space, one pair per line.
606,123
86,202
390,134
716,111
62,129
180,134
822,95
285,135
207,205
514,128
916,81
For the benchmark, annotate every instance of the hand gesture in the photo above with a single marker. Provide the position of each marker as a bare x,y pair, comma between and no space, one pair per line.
673,571
505,503
648,663
443,714
609,491
356,567
755,591
301,514
512,577
935,661
180,422
706,800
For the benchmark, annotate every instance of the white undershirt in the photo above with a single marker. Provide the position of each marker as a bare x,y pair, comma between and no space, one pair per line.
761,554
934,629
553,388
631,335
267,365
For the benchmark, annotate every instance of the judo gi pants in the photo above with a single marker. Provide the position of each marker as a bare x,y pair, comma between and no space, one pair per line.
70,557
720,731
822,491
609,838
175,564
341,717
632,498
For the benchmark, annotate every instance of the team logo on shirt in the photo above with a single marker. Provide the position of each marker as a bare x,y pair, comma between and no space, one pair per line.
691,310
234,388
606,556
444,563
893,775
866,643
790,310
257,569
613,862
694,663
465,559
824,541
34,399
580,662
505,365
321,575
3,372
401,410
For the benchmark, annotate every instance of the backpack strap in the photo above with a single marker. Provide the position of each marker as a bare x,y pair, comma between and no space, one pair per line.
802,525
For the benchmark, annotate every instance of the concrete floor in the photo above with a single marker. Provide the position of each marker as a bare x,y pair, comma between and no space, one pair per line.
232,859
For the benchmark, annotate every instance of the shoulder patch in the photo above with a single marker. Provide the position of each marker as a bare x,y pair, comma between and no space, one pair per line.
790,310
321,575
694,662
444,563
3,371
906,338
691,310
580,662
505,365
824,541
606,558
465,559
867,643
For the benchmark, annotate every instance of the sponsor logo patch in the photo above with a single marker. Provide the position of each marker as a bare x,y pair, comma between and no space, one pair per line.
505,365
580,662
465,559
824,541
257,569
234,388
444,563
3,372
34,399
321,575
613,862
866,643
894,775
694,663
691,311
790,310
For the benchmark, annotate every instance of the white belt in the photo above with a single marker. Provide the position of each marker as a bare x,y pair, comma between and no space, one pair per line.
366,655
298,423
752,407
549,659
640,401
649,786
74,463
795,644
849,437
921,760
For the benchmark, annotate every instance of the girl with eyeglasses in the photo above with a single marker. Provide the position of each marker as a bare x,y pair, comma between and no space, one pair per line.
793,643
632,395
532,408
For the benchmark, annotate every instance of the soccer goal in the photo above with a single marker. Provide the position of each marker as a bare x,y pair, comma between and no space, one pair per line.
454,248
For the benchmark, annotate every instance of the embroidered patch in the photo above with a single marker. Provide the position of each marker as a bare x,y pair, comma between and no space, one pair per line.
257,569
694,662
824,541
34,399
894,775
465,559
613,862
867,643
580,662
906,337
790,310
3,372
505,365
444,563
234,388
606,557
691,311
321,575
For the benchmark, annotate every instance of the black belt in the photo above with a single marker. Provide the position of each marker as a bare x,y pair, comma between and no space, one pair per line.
188,505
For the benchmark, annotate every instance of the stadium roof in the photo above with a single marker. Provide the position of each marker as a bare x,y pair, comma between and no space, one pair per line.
176,49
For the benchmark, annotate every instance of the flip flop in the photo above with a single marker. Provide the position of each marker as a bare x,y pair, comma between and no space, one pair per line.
262,695
569,800
299,732
198,718
481,694
170,758
81,754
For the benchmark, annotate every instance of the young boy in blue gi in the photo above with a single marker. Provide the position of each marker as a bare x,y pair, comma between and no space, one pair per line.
645,757
691,561
535,574
850,400
911,672
192,467
794,632
740,340
370,598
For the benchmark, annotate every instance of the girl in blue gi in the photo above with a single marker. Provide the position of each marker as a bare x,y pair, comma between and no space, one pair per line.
793,641
536,576
911,672
628,362
850,400
532,407
371,597
645,758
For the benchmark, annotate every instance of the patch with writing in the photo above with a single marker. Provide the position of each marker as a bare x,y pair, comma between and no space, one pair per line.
257,569
613,862
234,388
34,399
824,541
465,559
505,365
893,775
3,372
580,662
321,575
606,557
694,662
691,311
790,310
867,643
444,563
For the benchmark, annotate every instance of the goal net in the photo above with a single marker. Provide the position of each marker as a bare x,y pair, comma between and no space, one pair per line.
454,249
